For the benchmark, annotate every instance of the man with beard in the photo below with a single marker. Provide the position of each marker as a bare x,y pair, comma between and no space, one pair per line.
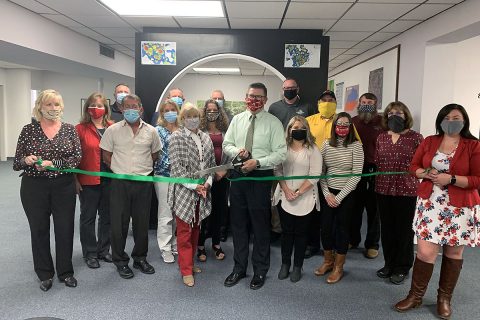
368,125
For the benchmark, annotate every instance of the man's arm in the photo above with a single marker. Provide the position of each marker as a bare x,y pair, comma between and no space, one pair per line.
107,157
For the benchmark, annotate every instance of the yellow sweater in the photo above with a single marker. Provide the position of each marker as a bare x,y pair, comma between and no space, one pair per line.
321,129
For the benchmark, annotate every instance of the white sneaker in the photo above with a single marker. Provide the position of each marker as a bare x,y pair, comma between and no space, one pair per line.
168,257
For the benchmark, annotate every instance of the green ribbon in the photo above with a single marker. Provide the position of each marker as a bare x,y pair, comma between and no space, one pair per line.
202,180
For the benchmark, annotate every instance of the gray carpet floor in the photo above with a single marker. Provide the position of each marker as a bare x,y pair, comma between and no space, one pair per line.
102,294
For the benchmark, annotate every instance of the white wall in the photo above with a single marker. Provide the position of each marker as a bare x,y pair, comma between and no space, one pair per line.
360,75
199,87
413,48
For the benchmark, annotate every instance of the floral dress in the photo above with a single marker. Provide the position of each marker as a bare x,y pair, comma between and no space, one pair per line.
437,221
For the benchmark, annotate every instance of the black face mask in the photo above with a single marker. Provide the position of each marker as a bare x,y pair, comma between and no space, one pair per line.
290,94
299,134
396,123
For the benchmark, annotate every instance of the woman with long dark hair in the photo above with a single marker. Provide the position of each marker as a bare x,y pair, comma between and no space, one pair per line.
448,206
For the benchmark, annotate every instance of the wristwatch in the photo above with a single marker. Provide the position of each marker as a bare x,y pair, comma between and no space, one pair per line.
258,164
453,179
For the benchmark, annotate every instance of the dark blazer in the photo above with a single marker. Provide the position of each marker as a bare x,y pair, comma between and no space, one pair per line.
465,162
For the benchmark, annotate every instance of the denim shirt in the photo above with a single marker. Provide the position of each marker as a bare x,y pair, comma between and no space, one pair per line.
162,165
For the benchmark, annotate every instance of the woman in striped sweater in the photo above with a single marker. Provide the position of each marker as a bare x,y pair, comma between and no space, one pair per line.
342,154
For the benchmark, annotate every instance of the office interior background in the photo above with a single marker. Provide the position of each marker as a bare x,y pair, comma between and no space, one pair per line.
56,44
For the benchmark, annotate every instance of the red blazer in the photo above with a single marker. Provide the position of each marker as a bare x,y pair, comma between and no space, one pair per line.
91,157
465,162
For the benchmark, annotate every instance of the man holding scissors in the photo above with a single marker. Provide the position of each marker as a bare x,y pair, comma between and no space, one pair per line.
258,138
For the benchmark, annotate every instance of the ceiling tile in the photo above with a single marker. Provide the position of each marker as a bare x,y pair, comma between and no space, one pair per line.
324,24
63,20
202,22
378,11
100,21
426,11
256,72
124,40
304,10
34,6
355,50
344,57
392,1
401,25
140,22
116,32
254,23
251,10
367,44
347,36
359,25
335,52
118,47
83,7
342,44
382,36
445,1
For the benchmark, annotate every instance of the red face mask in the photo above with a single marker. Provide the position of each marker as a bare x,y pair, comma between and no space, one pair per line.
96,113
342,131
254,104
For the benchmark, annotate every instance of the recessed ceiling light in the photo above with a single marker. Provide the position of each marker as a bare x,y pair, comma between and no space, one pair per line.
165,8
219,70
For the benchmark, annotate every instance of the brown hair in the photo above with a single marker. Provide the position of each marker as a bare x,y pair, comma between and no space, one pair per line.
86,118
350,138
400,106
222,121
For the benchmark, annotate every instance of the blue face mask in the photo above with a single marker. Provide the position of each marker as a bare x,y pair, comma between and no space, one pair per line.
220,102
131,115
170,116
120,97
177,100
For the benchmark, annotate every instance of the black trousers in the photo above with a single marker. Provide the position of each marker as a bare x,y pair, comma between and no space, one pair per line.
93,199
129,199
294,234
335,223
250,205
396,217
315,224
211,225
42,198
366,199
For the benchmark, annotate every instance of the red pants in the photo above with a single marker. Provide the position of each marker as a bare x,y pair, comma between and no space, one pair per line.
187,239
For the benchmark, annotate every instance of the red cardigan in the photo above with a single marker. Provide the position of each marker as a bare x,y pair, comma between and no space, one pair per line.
465,162
90,141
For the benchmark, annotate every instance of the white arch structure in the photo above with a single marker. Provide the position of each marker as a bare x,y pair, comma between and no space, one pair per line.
217,57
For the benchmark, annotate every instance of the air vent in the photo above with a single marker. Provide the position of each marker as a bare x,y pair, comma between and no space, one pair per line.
106,51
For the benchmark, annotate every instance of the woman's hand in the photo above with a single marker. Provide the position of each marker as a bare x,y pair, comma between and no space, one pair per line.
441,179
331,201
289,194
200,189
30,160
78,187
219,175
45,163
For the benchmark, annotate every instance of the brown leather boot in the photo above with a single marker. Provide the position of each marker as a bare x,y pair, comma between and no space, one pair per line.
448,279
337,273
327,265
421,274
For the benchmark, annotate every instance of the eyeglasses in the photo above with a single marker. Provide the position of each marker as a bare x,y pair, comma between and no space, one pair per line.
399,113
252,96
96,105
343,124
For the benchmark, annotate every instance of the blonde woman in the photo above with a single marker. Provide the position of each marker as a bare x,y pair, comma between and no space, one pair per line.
47,193
296,199
190,150
167,124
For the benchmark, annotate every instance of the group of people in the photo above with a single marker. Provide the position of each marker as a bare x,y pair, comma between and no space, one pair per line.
437,200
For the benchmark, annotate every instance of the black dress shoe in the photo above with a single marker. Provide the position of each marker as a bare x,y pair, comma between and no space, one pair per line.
257,282
45,285
398,278
144,266
311,251
92,263
296,274
70,281
125,272
284,271
106,258
233,279
385,272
